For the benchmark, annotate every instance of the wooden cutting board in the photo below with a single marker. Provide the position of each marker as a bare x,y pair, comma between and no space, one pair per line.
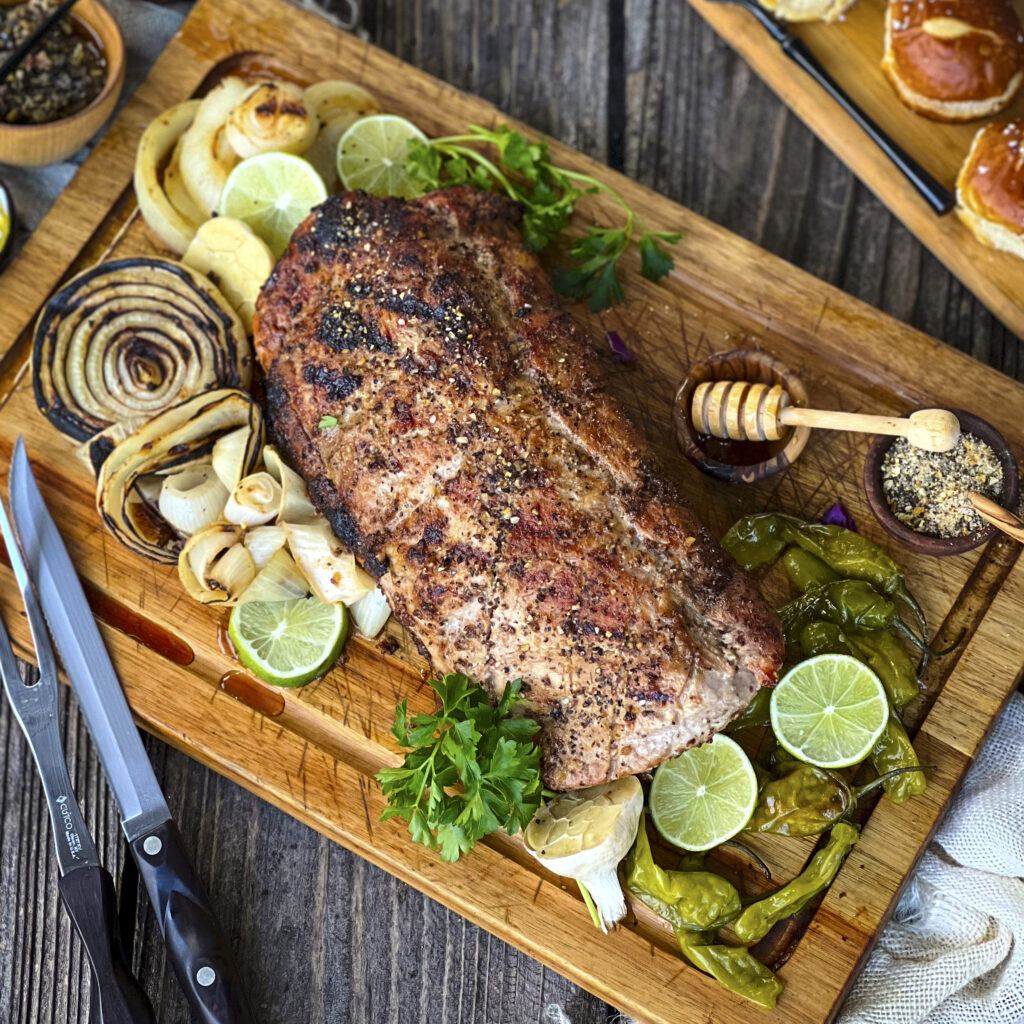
851,50
313,752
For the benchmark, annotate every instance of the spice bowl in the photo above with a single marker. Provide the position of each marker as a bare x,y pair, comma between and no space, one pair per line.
33,145
927,544
739,461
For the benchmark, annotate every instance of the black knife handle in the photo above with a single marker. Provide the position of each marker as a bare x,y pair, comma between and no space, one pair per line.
88,895
197,948
936,195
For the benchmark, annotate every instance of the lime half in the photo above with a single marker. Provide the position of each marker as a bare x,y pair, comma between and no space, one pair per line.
372,155
704,796
273,193
829,711
288,643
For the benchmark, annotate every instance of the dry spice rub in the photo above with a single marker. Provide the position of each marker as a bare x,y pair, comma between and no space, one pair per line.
61,76
927,491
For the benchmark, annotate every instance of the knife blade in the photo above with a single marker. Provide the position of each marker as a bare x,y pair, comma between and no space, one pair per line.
86,887
196,946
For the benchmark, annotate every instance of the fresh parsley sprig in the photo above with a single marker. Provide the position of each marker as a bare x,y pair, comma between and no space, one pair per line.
548,194
472,768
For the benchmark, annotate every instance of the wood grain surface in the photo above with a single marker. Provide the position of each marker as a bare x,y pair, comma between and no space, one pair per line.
325,936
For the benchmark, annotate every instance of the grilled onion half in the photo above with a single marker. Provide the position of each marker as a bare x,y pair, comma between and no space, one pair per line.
179,436
132,338
172,223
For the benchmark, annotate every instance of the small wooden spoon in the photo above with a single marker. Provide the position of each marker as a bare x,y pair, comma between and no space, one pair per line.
1001,518
736,410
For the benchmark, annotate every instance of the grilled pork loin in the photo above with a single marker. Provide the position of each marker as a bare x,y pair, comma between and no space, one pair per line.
515,518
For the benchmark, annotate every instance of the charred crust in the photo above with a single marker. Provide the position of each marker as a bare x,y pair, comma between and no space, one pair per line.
343,523
358,288
408,305
409,260
343,329
275,396
336,385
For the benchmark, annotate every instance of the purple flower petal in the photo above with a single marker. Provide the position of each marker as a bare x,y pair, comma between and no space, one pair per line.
622,351
838,516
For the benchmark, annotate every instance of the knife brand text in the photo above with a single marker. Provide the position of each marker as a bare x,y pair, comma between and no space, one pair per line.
70,835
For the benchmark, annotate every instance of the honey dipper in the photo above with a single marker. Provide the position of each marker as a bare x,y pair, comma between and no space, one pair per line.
737,410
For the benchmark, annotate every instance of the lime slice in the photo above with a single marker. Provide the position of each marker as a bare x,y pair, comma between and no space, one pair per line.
288,643
273,193
704,796
829,711
372,155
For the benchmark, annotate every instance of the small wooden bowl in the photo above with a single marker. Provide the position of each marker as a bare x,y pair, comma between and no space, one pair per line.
709,454
922,542
7,206
33,145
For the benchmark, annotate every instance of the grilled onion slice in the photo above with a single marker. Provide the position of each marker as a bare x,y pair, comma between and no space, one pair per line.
278,580
337,105
206,158
295,505
371,612
214,566
192,498
178,195
332,572
177,436
271,116
173,226
263,542
131,338
230,254
254,502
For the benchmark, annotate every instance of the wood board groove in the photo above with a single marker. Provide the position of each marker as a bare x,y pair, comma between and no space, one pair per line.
316,759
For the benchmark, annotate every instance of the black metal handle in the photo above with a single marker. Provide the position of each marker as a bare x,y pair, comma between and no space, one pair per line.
88,895
936,195
196,945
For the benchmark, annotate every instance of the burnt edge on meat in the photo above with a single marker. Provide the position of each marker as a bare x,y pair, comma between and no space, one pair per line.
516,520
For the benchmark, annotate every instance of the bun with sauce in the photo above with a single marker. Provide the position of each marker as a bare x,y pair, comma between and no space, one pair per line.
954,60
990,187
807,10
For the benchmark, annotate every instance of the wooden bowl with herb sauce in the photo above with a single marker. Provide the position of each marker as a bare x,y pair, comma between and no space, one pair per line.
64,91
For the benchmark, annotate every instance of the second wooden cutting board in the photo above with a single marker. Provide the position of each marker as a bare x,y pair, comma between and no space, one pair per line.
851,50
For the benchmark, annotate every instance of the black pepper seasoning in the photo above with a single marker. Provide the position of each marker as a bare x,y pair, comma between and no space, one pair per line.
62,75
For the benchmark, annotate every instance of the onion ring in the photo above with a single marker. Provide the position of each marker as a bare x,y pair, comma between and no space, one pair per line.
131,338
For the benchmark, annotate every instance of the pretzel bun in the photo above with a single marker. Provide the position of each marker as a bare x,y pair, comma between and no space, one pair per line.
990,187
807,10
954,60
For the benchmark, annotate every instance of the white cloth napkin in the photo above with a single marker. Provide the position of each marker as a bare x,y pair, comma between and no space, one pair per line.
954,950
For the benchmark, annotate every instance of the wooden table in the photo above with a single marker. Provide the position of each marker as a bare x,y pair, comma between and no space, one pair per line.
645,86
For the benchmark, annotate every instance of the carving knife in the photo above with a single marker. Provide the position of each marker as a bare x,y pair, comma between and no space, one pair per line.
86,888
196,946
932,191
